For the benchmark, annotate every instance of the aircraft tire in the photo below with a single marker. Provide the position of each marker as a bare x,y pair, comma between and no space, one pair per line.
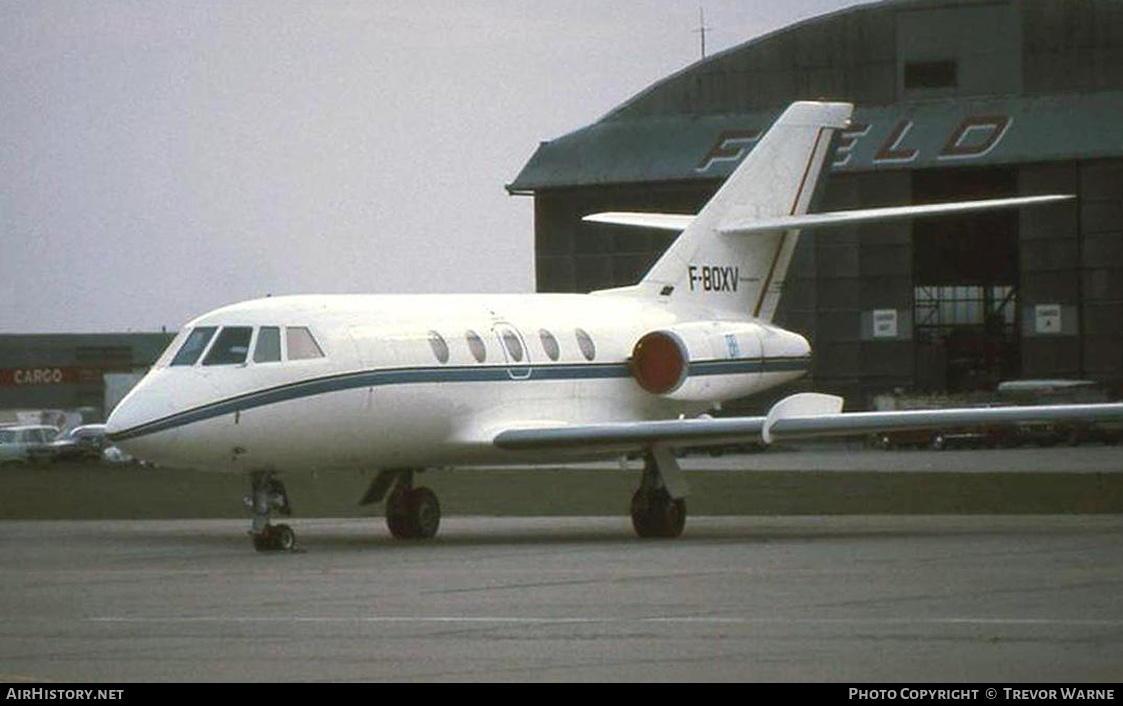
275,538
424,513
641,520
413,514
657,515
284,538
397,517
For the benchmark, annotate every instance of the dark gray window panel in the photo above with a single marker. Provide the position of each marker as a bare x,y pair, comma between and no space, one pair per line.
592,240
799,295
1050,357
1050,288
1101,217
1054,221
1103,284
592,273
835,295
629,269
840,326
837,261
886,292
1103,357
1103,249
887,358
1101,180
1103,319
834,359
885,260
1050,255
555,274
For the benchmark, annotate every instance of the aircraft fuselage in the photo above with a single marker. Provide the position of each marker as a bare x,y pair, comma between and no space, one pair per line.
422,380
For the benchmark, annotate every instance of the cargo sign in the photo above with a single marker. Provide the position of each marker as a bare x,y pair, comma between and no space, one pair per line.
18,377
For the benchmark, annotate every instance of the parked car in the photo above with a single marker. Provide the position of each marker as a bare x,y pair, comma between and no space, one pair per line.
82,443
113,454
30,443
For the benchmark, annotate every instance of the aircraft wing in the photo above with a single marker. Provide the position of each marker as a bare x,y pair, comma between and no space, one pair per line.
801,416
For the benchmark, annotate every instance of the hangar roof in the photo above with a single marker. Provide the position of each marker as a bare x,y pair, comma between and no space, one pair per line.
942,133
1028,82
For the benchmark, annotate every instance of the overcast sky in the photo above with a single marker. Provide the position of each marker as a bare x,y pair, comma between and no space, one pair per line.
161,158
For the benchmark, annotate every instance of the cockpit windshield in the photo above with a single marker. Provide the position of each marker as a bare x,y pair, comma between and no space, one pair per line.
194,346
231,347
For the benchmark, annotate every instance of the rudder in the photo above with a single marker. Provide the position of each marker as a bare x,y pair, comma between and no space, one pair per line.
777,178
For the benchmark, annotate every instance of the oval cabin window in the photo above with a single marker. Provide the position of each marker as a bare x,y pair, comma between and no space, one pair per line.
514,347
476,346
549,344
440,348
585,343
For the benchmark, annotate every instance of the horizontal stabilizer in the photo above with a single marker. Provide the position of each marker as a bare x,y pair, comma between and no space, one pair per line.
867,215
679,222
659,221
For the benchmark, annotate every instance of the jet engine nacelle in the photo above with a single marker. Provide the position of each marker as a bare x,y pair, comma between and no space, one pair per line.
712,360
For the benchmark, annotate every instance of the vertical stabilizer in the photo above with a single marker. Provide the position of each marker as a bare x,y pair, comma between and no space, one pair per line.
745,273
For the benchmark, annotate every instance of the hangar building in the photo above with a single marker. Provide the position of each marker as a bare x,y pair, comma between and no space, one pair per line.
73,371
955,99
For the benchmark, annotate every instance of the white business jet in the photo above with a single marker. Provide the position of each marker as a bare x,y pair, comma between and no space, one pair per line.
404,383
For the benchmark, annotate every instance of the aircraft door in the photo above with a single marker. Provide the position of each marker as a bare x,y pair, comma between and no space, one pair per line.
515,351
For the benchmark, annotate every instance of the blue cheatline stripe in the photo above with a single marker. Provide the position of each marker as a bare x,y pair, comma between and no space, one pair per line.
407,376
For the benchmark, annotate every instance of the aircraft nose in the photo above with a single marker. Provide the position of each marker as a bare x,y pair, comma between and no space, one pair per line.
142,406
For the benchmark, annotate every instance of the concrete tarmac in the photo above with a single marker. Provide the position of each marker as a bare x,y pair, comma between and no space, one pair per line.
869,598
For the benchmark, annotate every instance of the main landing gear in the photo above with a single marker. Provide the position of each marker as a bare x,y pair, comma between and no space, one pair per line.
269,494
411,513
658,506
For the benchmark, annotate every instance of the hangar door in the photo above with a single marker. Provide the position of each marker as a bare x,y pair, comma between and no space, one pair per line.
965,277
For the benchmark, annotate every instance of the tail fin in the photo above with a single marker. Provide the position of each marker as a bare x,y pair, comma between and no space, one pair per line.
746,273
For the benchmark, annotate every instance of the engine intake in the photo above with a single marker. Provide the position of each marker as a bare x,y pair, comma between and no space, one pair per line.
659,362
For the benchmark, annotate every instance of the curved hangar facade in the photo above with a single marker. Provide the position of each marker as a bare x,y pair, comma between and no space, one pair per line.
955,99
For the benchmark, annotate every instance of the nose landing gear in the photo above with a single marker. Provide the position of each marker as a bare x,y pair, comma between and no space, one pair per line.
269,494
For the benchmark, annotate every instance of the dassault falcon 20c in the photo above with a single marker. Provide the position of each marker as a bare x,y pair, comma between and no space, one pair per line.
398,384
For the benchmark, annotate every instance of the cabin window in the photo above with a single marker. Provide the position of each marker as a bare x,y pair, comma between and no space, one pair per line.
301,344
476,346
513,345
549,344
231,347
194,346
585,343
268,347
440,348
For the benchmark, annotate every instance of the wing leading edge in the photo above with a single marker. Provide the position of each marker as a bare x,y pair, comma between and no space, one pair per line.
802,416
